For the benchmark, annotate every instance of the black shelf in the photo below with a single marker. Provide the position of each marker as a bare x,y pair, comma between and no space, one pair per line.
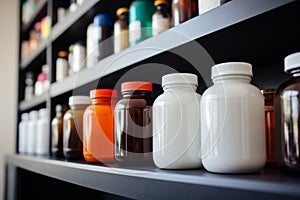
153,183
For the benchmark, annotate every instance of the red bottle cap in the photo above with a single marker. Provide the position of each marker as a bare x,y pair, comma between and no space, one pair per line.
136,85
108,93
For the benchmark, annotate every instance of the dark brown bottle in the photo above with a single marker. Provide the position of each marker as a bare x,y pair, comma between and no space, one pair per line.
57,132
73,127
183,10
133,127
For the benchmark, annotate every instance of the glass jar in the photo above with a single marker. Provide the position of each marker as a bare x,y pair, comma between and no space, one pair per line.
98,126
183,10
176,123
161,19
73,120
269,125
133,124
121,34
57,132
232,121
287,112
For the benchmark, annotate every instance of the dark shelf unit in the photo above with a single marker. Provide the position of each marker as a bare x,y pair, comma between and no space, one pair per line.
256,31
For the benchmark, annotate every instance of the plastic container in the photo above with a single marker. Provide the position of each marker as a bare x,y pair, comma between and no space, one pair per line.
161,19
183,10
176,123
286,113
42,133
31,132
73,125
207,5
133,124
99,43
29,88
98,126
140,20
62,66
42,83
121,34
23,133
57,132
232,121
78,57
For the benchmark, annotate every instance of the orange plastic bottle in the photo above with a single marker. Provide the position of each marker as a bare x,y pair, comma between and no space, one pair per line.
98,126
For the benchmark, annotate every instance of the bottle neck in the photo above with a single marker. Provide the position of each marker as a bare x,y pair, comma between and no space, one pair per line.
124,17
162,7
294,72
136,94
232,78
103,100
180,86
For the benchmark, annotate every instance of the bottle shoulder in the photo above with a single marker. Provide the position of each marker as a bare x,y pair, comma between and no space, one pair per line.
290,84
184,97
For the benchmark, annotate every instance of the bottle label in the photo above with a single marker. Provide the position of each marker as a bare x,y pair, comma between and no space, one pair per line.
135,31
160,25
206,5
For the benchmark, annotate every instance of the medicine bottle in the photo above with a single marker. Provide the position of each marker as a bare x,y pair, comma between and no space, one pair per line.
31,132
121,34
42,133
98,126
29,88
57,132
232,121
176,123
42,83
23,133
140,20
161,19
183,10
133,124
286,112
269,125
73,120
62,65
78,57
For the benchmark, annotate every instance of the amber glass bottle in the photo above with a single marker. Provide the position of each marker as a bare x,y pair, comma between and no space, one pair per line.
73,120
98,126
133,125
57,132
183,10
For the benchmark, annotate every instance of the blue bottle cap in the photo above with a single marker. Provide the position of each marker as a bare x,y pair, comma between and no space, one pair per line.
103,19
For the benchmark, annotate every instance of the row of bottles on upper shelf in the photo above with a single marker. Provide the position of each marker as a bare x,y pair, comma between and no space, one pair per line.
230,129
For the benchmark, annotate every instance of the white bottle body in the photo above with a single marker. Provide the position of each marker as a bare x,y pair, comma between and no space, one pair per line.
232,128
43,137
22,136
61,69
31,136
176,129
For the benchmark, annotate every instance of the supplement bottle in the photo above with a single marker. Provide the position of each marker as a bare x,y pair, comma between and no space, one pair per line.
140,20
73,120
161,19
57,132
42,133
29,88
176,123
121,34
183,10
133,124
78,57
31,132
232,121
286,112
23,133
62,65
98,126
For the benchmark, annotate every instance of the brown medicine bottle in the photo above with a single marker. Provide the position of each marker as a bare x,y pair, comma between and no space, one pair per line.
98,126
57,132
269,125
73,125
133,125
183,10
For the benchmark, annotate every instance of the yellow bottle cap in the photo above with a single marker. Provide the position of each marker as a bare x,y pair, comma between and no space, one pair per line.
122,10
158,2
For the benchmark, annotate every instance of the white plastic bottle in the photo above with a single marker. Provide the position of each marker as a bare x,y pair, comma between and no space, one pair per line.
232,121
31,132
42,133
23,133
176,123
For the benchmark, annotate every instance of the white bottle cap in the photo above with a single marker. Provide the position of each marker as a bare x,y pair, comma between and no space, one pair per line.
292,61
33,114
176,78
25,116
43,112
79,100
231,68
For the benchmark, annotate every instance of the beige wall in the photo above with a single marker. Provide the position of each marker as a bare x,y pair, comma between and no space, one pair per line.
9,16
